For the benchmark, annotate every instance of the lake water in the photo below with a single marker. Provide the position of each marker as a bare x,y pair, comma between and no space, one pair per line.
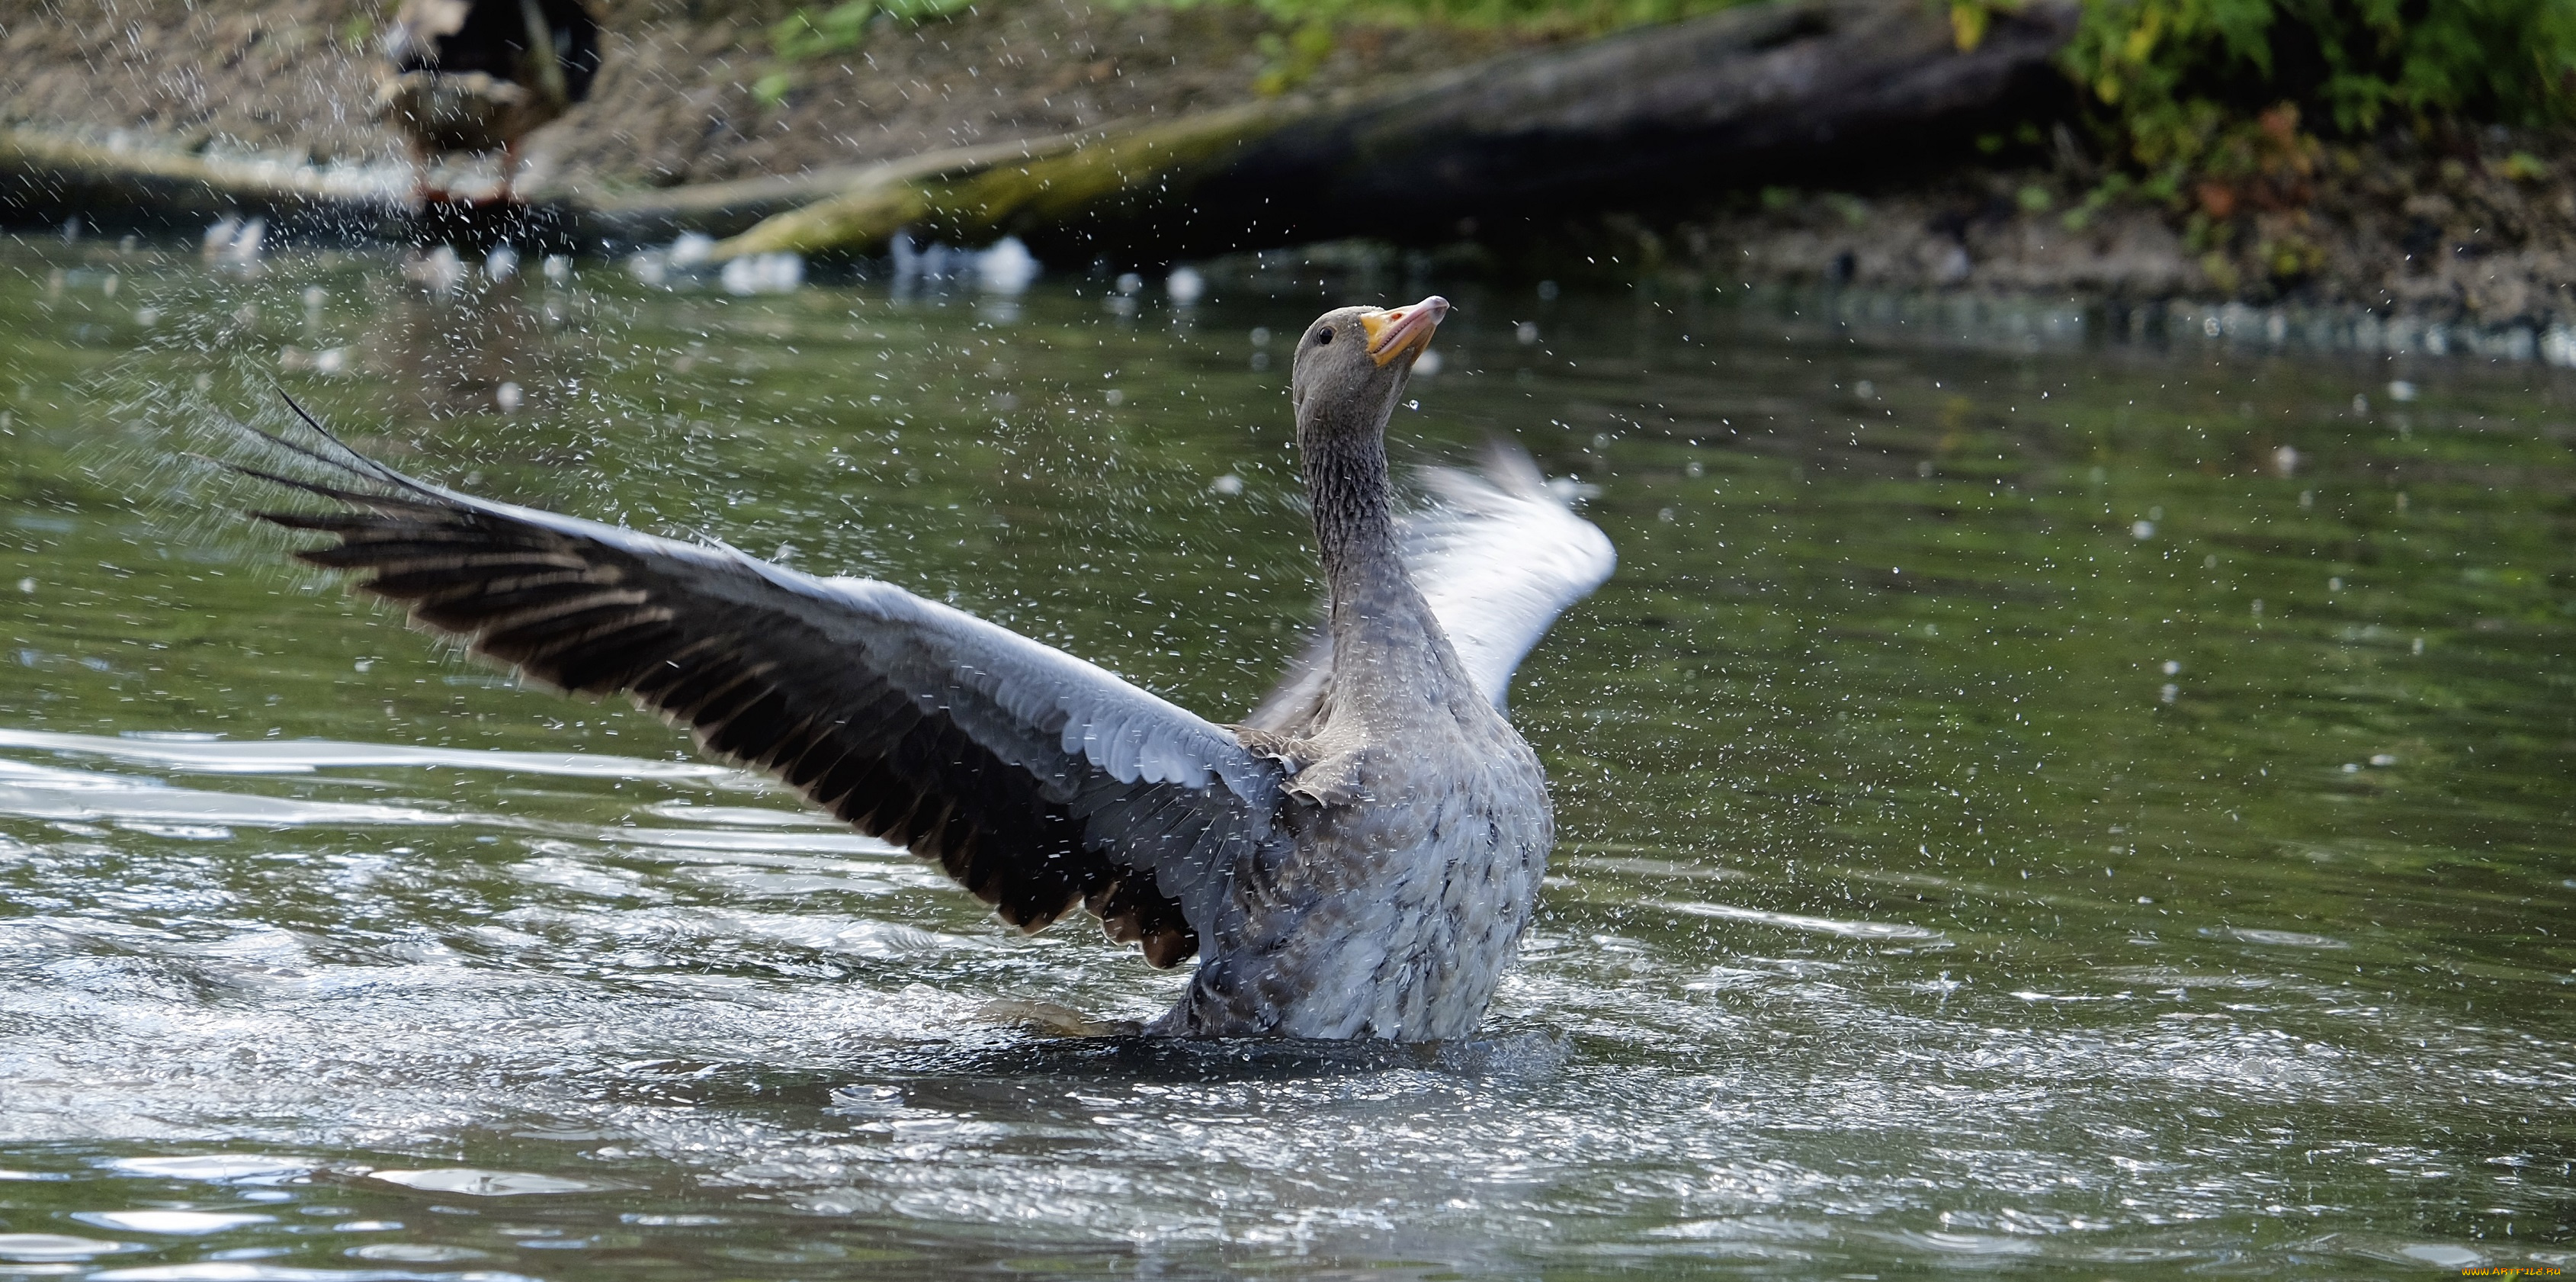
2028,804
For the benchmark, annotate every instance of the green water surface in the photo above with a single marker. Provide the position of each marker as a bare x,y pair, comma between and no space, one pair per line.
2026,806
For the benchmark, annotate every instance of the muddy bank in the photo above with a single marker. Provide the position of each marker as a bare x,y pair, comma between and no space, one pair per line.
679,99
2477,229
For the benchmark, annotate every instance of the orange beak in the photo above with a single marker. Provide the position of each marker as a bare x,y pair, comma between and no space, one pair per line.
1403,331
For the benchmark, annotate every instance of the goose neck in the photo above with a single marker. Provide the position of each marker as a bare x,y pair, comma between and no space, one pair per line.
1346,484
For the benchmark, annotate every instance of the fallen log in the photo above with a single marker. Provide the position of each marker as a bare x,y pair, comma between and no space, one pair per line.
143,183
730,207
1786,90
121,180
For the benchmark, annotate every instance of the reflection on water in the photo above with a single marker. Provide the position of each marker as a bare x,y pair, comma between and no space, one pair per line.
2077,807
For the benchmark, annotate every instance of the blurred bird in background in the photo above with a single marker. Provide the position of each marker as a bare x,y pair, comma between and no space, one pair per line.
480,75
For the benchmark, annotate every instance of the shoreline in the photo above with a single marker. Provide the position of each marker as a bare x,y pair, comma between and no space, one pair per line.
2470,232
2029,322
2467,232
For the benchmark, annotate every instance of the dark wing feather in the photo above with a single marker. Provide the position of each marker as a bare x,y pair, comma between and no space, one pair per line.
1038,781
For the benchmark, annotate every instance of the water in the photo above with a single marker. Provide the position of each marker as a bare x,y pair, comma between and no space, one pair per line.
2025,809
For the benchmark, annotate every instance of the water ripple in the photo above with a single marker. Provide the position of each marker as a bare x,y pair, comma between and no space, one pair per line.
209,755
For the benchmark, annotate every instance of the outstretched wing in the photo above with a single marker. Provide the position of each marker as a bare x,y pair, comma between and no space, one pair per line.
1497,556
1037,780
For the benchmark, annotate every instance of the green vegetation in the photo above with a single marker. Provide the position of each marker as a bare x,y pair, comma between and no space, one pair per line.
2232,93
812,30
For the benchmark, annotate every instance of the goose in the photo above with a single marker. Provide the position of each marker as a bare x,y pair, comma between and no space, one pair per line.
480,75
1357,859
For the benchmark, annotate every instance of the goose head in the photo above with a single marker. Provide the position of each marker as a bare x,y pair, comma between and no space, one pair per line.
1352,363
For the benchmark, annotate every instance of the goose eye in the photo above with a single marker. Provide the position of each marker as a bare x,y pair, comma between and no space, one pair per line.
1323,336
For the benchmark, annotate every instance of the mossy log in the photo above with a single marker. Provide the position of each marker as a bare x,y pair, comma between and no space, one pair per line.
1056,183
728,208
1795,90
150,184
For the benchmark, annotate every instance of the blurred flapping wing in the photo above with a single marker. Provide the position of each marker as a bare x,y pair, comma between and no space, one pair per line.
1037,780
1498,556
